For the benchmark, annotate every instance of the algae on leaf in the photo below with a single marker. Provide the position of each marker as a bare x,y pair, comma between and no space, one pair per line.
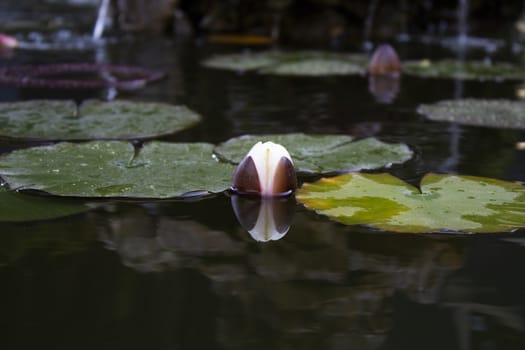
444,203
115,169
93,119
322,153
498,113
455,69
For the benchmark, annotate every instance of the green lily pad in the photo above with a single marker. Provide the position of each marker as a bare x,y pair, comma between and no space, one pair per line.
63,120
301,63
17,207
322,153
315,67
493,113
454,69
243,61
445,203
116,169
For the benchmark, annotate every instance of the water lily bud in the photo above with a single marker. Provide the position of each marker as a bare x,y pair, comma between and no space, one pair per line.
8,41
267,170
384,61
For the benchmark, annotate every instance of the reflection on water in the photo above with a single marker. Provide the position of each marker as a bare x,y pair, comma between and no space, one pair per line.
384,87
265,219
148,242
321,286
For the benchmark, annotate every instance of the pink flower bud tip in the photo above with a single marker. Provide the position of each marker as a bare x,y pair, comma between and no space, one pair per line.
384,61
7,41
267,170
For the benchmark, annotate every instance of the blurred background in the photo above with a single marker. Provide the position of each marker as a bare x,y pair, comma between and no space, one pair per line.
319,22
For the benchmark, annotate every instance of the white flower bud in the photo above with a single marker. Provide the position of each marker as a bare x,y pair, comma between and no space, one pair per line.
267,170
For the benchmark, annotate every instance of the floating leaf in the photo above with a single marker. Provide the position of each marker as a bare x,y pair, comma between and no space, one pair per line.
315,67
49,76
243,61
494,113
302,63
455,69
62,120
22,207
322,153
114,169
445,203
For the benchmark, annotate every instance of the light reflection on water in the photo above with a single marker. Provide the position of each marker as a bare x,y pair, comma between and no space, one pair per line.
185,275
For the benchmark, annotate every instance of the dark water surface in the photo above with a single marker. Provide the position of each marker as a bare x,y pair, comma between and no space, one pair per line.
174,275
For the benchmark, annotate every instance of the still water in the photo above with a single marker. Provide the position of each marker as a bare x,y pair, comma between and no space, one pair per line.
187,275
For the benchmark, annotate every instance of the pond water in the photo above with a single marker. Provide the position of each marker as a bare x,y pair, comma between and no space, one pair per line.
187,275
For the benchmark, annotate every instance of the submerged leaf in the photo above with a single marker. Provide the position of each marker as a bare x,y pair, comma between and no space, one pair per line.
446,203
454,69
301,63
493,113
322,153
62,120
22,207
112,169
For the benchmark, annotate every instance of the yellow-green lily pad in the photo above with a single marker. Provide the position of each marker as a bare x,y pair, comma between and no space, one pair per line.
322,153
93,119
468,70
444,203
17,207
498,113
300,63
115,169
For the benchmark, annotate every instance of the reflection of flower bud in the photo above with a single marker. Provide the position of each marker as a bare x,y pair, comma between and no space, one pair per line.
384,61
384,87
267,170
265,219
7,41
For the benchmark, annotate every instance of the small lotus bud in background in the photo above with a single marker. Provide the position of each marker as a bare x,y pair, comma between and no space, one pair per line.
384,61
267,170
7,41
